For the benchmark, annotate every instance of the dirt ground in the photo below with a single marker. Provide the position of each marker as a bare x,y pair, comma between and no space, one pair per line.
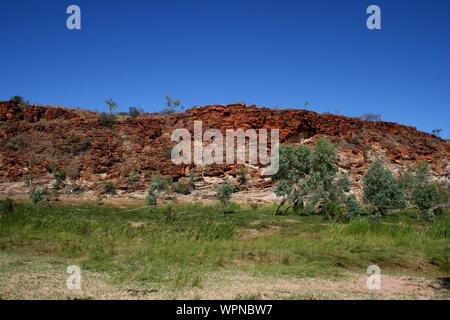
27,277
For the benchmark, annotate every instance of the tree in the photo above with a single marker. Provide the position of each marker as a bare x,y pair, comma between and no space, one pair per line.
224,192
112,105
382,190
437,132
309,178
107,118
159,183
294,167
424,193
172,105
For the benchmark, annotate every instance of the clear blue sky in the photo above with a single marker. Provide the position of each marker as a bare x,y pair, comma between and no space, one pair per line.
271,53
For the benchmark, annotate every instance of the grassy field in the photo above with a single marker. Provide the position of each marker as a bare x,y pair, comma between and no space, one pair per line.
195,251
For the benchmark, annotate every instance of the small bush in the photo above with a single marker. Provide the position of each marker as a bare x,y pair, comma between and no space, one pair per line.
224,193
18,99
193,177
106,119
6,206
37,195
72,139
382,190
182,188
110,188
151,196
333,210
133,177
134,112
159,183
353,208
84,145
172,106
241,174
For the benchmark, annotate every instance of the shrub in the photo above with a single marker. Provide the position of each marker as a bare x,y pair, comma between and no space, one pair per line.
224,193
84,145
182,188
333,210
133,177
242,173
37,195
159,183
72,139
134,112
193,177
353,208
110,188
172,105
18,99
58,175
112,105
309,177
424,193
437,132
106,119
382,190
151,196
6,206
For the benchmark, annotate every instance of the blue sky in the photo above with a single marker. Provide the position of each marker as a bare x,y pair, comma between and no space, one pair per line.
271,53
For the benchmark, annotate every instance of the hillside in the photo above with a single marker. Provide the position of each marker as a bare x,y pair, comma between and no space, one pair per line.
46,138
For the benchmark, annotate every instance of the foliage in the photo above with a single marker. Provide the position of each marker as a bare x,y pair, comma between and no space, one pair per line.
424,193
134,176
437,132
18,99
6,206
159,183
353,208
193,177
182,188
37,195
172,105
309,178
224,192
203,241
112,106
242,173
106,119
382,190
134,112
110,188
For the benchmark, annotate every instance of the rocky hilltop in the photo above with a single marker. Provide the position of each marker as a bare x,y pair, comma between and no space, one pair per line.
37,140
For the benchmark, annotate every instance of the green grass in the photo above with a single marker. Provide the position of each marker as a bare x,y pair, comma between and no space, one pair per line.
177,246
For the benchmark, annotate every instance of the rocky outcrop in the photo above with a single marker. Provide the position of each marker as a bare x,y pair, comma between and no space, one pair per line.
132,150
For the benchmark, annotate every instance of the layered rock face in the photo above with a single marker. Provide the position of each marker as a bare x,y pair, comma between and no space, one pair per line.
42,138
